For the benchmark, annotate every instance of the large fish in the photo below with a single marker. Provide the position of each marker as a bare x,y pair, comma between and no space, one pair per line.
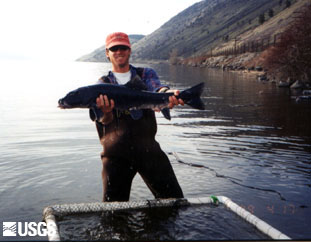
128,98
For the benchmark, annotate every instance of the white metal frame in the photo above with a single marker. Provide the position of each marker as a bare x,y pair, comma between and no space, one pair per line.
50,213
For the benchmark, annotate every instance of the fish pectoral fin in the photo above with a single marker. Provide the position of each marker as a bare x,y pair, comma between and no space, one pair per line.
92,114
166,113
136,113
96,114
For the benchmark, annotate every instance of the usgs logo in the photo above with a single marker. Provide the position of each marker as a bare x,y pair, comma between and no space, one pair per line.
25,229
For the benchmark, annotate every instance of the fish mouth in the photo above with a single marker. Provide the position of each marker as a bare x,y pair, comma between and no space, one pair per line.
62,104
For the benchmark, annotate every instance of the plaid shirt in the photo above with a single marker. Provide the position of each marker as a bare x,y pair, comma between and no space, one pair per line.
149,77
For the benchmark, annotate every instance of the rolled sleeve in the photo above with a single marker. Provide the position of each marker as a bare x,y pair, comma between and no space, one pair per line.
152,80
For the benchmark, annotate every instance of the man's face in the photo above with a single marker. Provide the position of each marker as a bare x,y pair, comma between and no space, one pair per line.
119,55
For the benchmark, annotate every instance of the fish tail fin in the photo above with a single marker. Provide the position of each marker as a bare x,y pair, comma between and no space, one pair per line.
192,95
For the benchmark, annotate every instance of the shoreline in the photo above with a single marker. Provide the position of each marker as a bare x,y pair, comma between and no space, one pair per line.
250,63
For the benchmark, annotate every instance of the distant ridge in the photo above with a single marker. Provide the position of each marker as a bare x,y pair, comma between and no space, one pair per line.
201,27
99,55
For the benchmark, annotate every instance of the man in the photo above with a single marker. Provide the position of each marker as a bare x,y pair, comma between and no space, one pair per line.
129,145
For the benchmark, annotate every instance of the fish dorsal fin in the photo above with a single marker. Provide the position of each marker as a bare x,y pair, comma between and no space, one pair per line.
136,83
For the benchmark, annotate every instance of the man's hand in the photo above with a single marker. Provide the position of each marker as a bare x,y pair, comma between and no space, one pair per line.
173,100
103,103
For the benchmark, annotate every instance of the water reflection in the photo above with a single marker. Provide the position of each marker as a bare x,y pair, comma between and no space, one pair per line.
252,144
157,224
252,132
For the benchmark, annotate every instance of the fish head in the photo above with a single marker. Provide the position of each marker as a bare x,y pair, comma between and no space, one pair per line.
79,98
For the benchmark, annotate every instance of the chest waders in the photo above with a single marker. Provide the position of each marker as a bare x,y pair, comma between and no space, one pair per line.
130,147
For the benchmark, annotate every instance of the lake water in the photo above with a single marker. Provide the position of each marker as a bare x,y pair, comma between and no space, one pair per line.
251,144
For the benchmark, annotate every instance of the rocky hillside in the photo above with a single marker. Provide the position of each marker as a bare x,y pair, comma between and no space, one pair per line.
204,26
249,48
99,55
272,26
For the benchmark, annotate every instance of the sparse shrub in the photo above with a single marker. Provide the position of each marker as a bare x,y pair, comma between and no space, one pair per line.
291,56
261,18
225,38
288,3
173,60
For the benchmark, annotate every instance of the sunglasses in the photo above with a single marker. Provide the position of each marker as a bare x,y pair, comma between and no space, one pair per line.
119,47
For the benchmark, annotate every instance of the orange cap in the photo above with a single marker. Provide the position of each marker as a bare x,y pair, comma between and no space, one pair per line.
117,38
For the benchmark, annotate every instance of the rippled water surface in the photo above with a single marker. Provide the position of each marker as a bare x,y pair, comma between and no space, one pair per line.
252,144
186,223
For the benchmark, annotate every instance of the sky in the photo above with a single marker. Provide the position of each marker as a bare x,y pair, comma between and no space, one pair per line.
68,29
